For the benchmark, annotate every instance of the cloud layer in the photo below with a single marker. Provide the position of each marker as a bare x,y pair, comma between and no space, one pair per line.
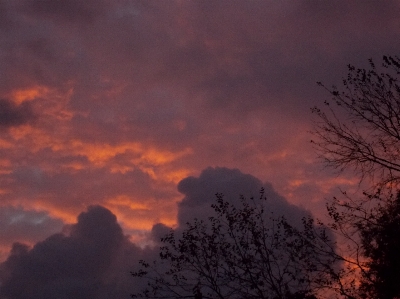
79,264
113,103
92,258
14,115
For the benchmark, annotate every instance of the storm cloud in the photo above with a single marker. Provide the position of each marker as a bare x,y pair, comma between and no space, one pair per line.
200,194
118,103
15,115
93,258
77,264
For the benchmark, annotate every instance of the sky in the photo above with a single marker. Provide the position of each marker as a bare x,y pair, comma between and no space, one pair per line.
127,116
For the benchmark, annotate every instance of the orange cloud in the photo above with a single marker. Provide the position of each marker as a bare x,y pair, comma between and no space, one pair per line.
126,201
100,153
28,94
66,215
176,176
139,215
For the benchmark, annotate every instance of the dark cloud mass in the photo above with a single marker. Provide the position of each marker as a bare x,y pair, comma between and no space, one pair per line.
19,224
79,265
92,258
232,183
67,10
200,193
15,115
115,103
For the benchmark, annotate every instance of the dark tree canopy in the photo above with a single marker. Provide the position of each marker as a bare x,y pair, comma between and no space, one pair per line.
360,127
240,253
381,245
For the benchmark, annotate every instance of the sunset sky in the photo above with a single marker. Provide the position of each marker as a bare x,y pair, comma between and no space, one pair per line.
115,102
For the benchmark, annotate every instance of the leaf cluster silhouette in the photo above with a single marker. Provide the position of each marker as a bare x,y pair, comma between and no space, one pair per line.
242,252
359,130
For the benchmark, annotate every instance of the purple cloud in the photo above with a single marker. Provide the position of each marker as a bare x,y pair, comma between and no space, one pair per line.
81,264
12,115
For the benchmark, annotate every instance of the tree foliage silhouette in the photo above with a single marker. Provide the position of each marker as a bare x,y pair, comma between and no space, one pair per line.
381,245
240,253
360,130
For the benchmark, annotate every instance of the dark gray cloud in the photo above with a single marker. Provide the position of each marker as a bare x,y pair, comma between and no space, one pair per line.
5,18
242,56
12,115
234,57
92,258
200,193
21,225
86,263
232,81
66,10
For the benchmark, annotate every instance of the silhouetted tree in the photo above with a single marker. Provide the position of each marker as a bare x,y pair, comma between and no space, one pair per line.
381,245
240,253
360,130
370,248
360,127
